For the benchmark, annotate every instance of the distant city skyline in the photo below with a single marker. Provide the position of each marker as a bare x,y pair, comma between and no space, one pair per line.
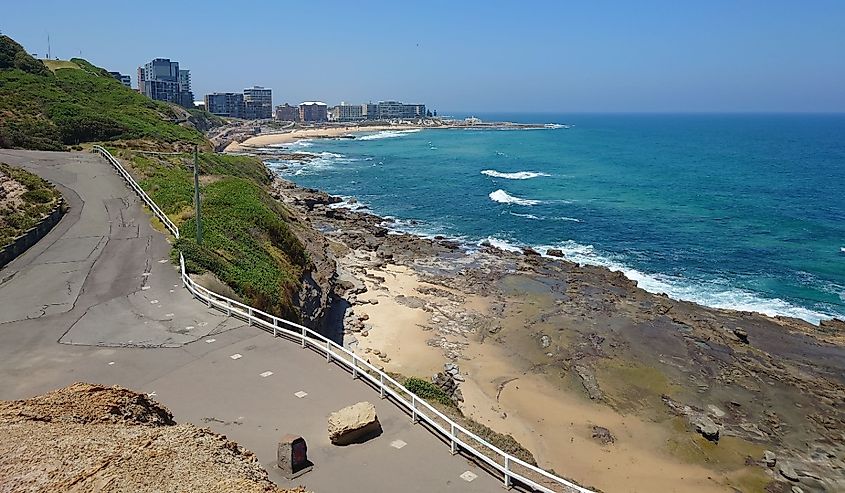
496,56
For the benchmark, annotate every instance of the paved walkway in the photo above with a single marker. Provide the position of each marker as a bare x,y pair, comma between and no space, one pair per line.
97,300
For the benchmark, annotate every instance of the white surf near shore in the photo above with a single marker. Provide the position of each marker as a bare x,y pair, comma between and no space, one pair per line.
714,294
388,134
518,175
504,197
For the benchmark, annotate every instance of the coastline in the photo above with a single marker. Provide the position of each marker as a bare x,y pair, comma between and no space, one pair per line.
549,349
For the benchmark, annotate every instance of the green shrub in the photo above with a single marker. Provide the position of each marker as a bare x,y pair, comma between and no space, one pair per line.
40,196
427,390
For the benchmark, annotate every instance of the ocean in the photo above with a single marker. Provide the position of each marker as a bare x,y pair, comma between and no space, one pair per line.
730,211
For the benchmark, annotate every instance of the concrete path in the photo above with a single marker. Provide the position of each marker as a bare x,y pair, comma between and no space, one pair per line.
97,300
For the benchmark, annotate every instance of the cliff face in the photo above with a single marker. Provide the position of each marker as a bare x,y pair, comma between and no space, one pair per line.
109,439
319,280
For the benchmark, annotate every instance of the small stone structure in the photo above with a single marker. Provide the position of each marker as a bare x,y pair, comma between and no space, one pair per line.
448,381
354,424
292,456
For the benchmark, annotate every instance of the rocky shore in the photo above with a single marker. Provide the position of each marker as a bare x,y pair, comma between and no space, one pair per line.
602,381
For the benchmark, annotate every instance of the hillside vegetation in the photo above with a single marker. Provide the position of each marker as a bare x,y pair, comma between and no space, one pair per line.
42,109
24,200
248,243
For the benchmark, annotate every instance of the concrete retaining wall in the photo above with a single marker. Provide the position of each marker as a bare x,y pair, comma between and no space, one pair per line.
32,235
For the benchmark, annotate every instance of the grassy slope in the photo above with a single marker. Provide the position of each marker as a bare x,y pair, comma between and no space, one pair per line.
248,244
40,109
37,201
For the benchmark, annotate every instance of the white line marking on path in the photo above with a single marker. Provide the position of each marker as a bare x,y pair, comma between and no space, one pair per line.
152,394
189,327
154,302
468,476
300,394
397,444
111,362
146,274
209,341
164,260
169,314
236,356
266,374
144,288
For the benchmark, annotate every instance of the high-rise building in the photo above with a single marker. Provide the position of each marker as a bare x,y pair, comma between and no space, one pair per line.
162,80
258,103
346,113
369,111
230,104
124,79
392,110
313,111
185,80
287,113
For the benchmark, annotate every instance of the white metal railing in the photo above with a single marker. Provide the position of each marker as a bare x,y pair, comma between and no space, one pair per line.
460,438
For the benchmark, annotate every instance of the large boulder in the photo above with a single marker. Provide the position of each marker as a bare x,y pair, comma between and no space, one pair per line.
354,424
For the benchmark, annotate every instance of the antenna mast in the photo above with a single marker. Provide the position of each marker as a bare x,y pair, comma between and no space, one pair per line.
48,47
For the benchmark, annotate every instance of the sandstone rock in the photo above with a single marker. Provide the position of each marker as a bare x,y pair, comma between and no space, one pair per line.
706,426
530,251
786,470
588,380
769,458
353,424
554,252
603,435
741,334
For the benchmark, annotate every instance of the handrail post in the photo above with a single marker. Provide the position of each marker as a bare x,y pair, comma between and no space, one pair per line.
304,336
354,368
275,326
249,315
228,307
381,385
413,408
454,444
328,351
507,473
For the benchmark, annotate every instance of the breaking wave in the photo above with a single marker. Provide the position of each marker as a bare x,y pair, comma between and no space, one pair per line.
504,197
388,134
519,175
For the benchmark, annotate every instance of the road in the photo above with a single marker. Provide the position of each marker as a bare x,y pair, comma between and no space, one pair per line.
97,300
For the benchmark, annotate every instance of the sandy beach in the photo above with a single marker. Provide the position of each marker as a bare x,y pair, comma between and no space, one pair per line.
602,382
269,139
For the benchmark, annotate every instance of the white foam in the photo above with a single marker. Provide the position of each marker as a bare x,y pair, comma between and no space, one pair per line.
322,161
504,197
519,175
295,144
527,216
500,244
388,134
715,294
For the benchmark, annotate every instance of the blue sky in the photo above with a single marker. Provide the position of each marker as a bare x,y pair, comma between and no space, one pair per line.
467,56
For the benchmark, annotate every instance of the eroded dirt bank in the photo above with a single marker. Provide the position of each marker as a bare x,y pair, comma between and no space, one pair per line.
92,438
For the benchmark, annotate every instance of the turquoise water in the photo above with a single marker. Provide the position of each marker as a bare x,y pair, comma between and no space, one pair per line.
731,211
